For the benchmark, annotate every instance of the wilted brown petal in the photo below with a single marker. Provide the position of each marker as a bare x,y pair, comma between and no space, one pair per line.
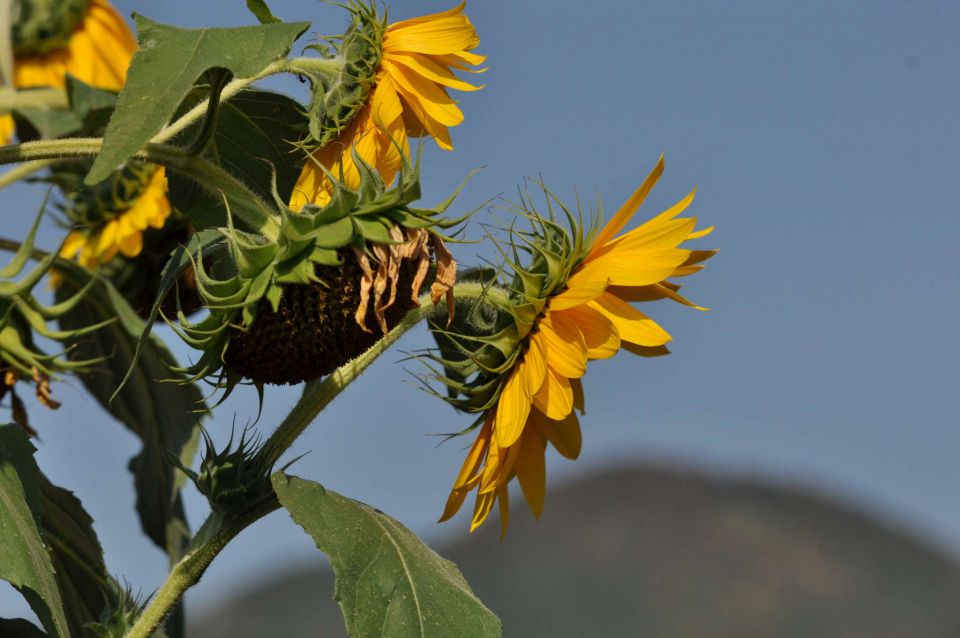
446,276
366,284
421,240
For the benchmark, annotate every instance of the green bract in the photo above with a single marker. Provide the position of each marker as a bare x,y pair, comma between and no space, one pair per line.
22,316
485,340
298,307
42,26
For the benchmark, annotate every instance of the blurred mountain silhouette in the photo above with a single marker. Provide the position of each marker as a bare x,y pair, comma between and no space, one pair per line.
664,553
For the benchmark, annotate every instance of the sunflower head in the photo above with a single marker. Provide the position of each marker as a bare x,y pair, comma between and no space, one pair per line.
341,88
21,318
42,26
517,357
490,334
337,277
379,85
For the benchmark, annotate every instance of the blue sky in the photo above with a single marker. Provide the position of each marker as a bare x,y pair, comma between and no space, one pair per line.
822,139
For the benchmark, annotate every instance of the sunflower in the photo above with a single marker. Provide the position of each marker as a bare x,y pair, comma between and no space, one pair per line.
571,306
391,85
112,216
87,39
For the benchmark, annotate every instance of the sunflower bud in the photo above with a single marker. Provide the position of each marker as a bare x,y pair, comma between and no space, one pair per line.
335,280
341,81
234,478
118,618
42,26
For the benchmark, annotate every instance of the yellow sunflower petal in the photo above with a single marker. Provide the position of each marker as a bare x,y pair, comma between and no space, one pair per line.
439,36
7,129
565,436
599,333
431,70
468,470
578,292
432,100
482,509
618,221
555,398
626,267
512,409
72,245
633,325
564,346
534,369
532,469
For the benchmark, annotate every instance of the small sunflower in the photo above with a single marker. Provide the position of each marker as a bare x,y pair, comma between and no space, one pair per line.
572,304
87,39
111,217
391,84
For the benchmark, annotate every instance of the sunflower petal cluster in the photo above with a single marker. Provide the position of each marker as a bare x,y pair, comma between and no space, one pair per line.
87,39
517,358
22,318
390,82
110,218
296,307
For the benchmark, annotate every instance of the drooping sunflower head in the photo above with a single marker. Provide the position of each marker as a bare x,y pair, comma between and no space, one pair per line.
337,277
516,357
378,85
21,318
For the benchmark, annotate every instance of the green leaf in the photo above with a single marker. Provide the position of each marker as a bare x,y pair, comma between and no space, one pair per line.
252,142
45,123
24,560
164,70
19,628
389,584
163,415
260,9
91,106
77,557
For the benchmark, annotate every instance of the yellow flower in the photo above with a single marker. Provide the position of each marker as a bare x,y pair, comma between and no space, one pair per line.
123,233
584,315
409,99
97,53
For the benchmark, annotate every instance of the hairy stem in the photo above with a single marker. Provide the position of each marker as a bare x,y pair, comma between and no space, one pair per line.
212,537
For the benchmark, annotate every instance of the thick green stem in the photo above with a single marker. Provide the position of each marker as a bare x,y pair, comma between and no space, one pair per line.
212,537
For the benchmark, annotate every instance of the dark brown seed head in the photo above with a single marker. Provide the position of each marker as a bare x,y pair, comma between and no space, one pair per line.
314,330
